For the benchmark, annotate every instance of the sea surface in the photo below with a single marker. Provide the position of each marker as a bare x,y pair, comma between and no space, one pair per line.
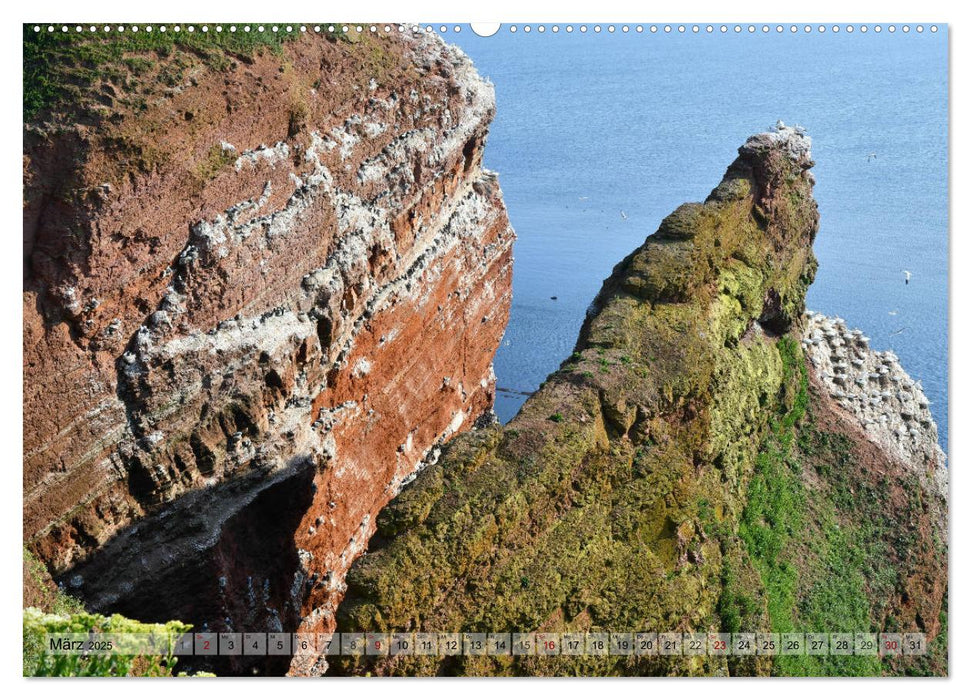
597,137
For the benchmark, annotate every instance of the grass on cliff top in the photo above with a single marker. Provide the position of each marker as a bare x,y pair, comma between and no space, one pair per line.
58,64
41,592
50,611
38,661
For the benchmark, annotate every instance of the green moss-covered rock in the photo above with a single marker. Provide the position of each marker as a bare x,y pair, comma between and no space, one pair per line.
670,491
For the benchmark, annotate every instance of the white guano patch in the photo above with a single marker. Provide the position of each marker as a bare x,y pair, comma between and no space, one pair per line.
269,154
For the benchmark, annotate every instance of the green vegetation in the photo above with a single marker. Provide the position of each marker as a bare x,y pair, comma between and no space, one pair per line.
671,476
816,528
778,514
146,100
39,661
216,159
736,605
64,615
57,65
936,659
42,590
618,497
775,511
782,524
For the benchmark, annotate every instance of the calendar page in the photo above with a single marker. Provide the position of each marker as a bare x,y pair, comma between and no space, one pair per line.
515,349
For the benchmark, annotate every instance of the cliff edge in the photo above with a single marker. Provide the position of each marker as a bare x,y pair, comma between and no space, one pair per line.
261,284
686,470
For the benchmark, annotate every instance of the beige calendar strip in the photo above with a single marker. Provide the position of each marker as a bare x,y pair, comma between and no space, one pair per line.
497,644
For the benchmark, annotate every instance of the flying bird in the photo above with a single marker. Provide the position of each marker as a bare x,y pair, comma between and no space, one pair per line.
871,156
906,276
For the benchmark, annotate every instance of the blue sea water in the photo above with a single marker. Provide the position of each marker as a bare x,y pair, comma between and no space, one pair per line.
592,128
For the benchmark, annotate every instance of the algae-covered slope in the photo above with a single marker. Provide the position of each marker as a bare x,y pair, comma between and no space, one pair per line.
683,471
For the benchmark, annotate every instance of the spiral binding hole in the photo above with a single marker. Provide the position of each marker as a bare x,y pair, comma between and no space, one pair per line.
512,29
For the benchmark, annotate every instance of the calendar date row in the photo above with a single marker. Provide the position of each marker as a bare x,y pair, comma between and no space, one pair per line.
497,644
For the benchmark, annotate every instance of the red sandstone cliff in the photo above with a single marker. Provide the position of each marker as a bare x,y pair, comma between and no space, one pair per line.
253,303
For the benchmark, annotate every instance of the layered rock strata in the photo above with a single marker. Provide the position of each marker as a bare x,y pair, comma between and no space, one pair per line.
686,470
254,301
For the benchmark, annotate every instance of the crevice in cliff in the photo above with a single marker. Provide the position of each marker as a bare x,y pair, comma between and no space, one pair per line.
223,560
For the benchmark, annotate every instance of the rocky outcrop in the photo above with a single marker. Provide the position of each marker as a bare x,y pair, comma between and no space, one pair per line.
874,389
259,289
686,470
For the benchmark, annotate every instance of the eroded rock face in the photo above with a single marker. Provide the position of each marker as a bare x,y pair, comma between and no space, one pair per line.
239,345
686,470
